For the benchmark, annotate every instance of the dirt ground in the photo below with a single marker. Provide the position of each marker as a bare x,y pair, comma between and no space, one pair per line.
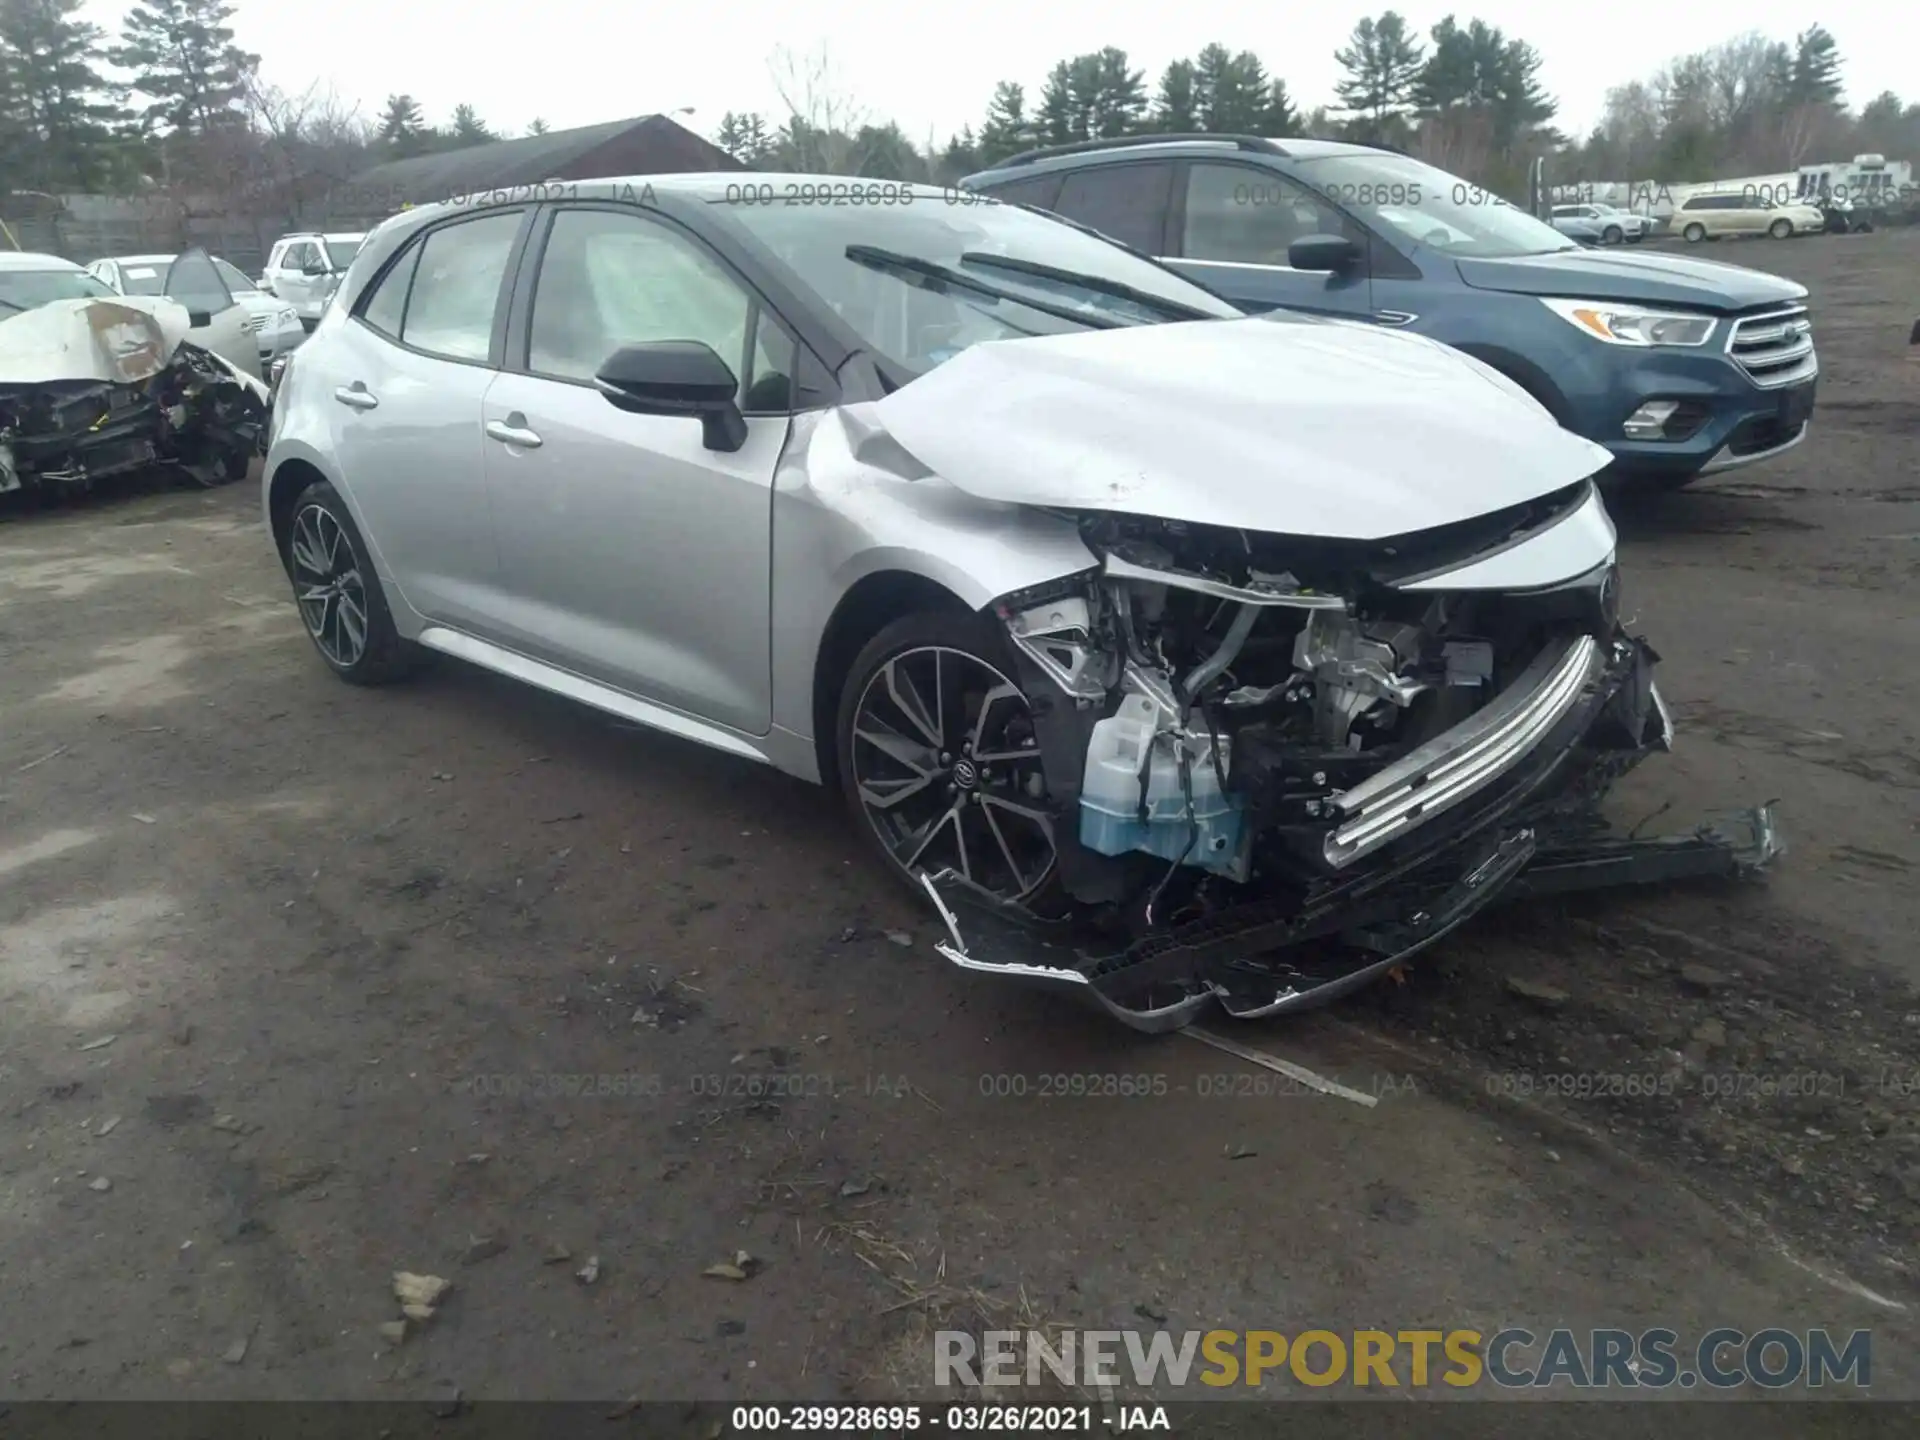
301,985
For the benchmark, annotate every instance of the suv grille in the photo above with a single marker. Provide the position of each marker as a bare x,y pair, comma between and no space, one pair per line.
254,324
1776,348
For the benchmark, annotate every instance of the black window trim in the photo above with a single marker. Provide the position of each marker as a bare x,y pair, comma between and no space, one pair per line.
414,246
517,330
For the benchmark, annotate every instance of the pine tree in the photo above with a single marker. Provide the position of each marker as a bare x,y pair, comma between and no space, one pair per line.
1008,130
1383,61
402,129
536,126
61,113
184,61
1176,106
1815,76
1281,118
469,128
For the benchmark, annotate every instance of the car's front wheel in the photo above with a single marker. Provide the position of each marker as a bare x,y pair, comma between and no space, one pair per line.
1780,229
1612,235
939,759
339,595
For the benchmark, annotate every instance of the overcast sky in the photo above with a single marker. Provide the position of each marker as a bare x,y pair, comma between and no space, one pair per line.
932,67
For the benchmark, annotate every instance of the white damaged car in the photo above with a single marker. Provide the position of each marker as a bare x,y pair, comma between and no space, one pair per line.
1176,658
94,384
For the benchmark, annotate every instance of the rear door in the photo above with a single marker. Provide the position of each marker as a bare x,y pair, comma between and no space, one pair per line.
633,554
402,383
1233,224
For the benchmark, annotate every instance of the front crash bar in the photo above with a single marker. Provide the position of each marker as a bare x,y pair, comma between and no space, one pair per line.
1263,980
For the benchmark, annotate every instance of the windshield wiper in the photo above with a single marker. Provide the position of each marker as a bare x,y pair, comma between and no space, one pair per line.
892,262
1098,284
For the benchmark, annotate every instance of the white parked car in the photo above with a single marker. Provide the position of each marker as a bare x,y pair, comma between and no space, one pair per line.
215,321
304,270
272,322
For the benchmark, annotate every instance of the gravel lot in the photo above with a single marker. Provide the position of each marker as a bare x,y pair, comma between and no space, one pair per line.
460,980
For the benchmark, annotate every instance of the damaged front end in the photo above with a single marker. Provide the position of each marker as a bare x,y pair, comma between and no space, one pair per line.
93,389
1275,768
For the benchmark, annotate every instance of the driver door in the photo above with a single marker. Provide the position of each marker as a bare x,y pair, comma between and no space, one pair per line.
630,552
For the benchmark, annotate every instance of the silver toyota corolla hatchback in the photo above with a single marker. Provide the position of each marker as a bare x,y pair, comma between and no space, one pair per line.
1175,657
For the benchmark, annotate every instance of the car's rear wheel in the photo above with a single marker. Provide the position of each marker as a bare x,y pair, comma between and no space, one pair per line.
1694,233
339,595
1612,235
1780,229
939,759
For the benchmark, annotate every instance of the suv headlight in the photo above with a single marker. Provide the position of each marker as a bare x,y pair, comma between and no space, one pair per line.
1632,325
286,317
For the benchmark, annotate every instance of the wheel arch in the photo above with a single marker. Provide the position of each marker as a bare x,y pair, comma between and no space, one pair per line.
289,479
1524,373
873,602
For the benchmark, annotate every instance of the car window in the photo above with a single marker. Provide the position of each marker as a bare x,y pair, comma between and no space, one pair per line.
1128,202
609,280
456,289
340,253
236,281
1250,216
143,277
386,307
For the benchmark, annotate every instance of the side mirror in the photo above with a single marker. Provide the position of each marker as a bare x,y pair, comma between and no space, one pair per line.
1323,252
313,267
677,377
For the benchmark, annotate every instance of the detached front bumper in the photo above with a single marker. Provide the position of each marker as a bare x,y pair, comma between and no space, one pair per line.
1509,810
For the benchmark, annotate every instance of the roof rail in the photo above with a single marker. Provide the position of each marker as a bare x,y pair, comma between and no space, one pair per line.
1128,142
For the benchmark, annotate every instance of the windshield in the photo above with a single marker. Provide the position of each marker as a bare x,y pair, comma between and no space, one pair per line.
1026,274
1425,206
342,251
24,289
144,277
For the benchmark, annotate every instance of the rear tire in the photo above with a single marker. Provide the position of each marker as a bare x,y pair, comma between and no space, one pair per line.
938,758
1694,233
339,595
1780,229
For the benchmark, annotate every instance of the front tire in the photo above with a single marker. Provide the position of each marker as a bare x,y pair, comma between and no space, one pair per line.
1694,233
939,761
1780,229
1612,235
339,595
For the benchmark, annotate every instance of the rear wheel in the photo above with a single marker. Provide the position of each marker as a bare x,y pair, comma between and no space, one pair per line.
339,595
1694,233
1780,229
939,760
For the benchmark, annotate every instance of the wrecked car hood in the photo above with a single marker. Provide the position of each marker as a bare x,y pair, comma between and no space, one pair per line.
121,341
1342,431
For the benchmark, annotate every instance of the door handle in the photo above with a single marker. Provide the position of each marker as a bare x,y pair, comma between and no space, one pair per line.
513,431
356,396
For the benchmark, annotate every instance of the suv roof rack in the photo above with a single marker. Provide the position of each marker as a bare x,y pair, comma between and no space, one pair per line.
1128,142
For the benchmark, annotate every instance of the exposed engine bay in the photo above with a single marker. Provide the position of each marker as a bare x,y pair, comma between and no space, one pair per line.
1276,768
92,388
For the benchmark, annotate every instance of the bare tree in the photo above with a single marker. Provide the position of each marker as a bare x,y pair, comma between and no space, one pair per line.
822,121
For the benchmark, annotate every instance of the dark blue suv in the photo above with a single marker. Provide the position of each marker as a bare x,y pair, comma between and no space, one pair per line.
1680,367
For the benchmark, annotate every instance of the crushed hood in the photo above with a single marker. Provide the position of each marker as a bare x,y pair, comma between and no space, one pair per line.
1342,431
122,341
